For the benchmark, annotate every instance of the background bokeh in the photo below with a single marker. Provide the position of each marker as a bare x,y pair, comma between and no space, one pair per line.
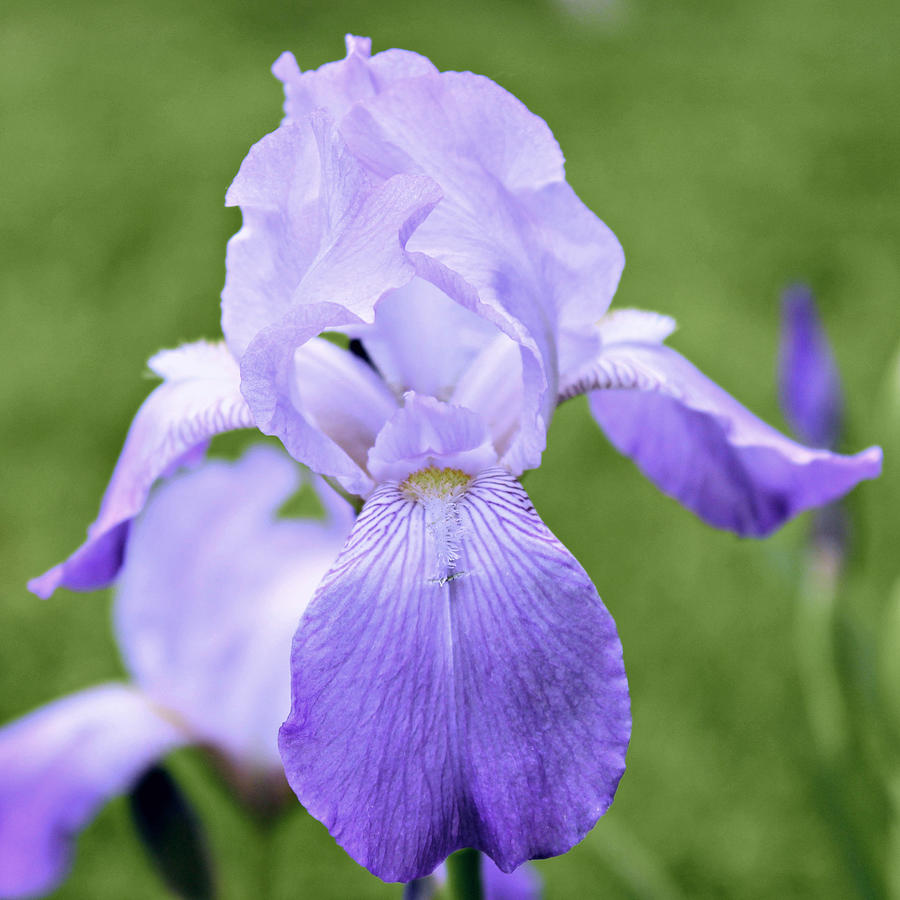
732,146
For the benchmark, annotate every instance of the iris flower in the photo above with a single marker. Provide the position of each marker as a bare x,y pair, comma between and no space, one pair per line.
457,681
812,402
204,612
810,386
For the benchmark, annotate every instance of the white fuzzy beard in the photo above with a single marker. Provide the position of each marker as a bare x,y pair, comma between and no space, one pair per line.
440,491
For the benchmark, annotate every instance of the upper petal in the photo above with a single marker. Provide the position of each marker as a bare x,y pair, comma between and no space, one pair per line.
488,709
277,188
510,240
318,226
810,387
341,396
290,393
59,764
428,433
210,595
337,85
493,386
699,445
423,341
200,397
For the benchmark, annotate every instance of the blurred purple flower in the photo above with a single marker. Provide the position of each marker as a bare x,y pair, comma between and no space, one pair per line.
457,681
523,884
810,387
204,612
811,399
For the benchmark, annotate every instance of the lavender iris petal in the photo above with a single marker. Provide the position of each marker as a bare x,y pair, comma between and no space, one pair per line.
211,593
337,85
199,397
505,238
699,445
523,884
695,441
488,708
810,388
209,596
58,765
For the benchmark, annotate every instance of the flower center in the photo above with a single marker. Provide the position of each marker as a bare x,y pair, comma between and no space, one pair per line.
433,482
439,492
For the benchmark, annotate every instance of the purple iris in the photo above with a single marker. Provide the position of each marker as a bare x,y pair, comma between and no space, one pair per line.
812,402
204,612
810,386
457,681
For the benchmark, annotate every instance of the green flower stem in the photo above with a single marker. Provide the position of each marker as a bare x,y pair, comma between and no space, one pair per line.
816,654
464,875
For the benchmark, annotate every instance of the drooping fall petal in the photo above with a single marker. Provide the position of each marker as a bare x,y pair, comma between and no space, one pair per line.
485,708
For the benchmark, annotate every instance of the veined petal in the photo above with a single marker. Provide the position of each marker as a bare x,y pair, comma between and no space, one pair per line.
367,223
592,363
210,595
700,446
641,325
810,387
337,85
364,225
428,433
59,764
486,709
200,397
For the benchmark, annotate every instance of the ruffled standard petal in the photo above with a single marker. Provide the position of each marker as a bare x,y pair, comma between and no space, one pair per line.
337,85
59,765
364,224
510,241
318,227
277,188
199,398
700,446
488,709
810,388
211,593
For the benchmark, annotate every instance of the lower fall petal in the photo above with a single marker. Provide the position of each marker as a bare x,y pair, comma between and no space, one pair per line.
483,707
702,447
59,765
199,397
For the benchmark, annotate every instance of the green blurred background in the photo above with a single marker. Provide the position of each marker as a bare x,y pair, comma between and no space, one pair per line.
733,147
